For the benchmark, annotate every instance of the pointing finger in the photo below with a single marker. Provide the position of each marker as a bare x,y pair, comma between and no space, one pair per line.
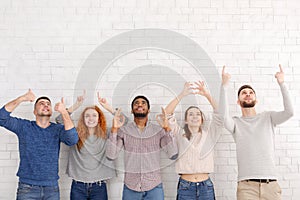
223,70
281,70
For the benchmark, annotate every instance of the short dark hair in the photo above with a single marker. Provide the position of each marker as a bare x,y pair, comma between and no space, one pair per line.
42,97
243,87
140,97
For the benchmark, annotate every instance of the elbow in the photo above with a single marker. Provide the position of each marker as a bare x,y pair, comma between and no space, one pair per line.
291,113
174,157
73,141
111,158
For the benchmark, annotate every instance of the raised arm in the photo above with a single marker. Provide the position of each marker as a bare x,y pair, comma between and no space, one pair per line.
72,108
223,105
103,102
28,96
288,112
78,103
61,108
115,141
172,105
201,89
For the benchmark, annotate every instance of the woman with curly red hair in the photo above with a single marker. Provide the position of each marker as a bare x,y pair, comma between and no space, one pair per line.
87,163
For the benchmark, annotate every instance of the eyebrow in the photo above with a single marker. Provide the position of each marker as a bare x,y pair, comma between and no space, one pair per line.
44,101
136,101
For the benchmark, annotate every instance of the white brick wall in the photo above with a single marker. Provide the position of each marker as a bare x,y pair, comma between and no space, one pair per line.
44,45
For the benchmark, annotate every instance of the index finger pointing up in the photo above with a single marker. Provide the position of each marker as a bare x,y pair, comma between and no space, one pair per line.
281,70
223,70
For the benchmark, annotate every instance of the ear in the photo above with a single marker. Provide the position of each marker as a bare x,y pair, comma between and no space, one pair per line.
238,102
34,112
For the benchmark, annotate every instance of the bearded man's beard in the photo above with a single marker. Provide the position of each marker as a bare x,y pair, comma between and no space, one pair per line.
140,115
244,104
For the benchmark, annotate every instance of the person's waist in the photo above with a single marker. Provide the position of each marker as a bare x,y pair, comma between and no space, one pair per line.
90,183
203,182
260,180
195,177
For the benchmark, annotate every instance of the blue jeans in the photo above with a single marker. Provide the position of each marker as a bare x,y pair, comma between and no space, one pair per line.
90,191
34,192
156,193
195,191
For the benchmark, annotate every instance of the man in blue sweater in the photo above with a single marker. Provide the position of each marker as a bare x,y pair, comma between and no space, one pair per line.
39,145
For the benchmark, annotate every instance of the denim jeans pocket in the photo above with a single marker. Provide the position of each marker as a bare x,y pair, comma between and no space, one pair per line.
183,185
209,183
24,188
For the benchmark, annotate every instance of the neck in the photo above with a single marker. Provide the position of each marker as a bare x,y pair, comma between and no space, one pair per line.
194,129
91,130
43,122
248,112
141,122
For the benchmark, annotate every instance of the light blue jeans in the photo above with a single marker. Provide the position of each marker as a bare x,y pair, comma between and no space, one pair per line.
34,192
156,193
203,190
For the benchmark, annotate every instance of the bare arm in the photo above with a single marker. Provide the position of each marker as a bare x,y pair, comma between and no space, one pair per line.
28,96
201,89
72,108
78,103
103,102
172,105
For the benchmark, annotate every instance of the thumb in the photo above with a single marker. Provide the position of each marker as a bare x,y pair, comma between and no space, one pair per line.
62,100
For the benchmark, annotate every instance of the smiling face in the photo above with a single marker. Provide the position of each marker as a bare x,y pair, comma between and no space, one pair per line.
193,117
43,108
140,108
247,98
91,118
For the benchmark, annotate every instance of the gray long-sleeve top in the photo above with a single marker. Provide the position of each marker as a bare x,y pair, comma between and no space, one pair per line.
254,137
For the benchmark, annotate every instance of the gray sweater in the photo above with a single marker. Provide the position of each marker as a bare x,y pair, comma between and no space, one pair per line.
254,137
90,163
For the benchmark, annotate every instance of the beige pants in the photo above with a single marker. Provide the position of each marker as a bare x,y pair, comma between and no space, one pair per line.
249,190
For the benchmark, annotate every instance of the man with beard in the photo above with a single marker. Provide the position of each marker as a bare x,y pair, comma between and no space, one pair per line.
142,142
39,144
254,137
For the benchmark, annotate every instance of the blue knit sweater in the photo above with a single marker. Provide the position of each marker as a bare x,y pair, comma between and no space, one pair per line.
39,148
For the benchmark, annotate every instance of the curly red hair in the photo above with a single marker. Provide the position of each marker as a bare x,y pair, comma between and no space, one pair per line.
83,131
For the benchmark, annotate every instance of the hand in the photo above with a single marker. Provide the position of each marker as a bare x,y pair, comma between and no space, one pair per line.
187,89
118,120
29,96
201,89
280,75
80,99
60,106
225,77
101,100
162,119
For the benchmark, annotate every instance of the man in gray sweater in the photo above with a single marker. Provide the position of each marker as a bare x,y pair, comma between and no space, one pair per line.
254,136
